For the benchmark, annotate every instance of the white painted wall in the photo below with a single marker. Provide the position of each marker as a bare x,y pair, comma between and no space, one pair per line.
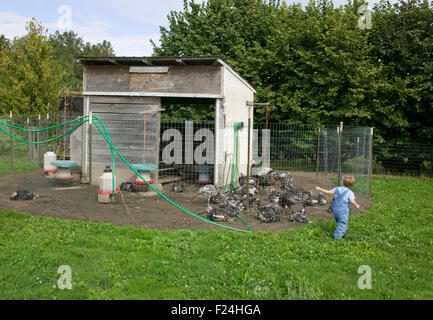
237,93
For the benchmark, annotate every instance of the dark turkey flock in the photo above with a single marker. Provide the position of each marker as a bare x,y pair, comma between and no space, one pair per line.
223,207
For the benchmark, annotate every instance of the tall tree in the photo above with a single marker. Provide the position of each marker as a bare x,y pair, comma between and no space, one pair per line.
315,64
31,74
402,42
67,47
311,64
102,49
3,41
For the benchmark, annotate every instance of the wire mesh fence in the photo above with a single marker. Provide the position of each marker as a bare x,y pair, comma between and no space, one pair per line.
16,155
403,159
179,141
180,150
321,154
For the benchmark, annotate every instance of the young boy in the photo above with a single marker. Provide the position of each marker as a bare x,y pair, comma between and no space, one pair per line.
343,197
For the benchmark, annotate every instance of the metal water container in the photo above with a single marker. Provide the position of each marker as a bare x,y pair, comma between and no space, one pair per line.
49,169
105,191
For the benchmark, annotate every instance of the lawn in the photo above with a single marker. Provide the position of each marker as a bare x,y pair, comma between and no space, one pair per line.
20,166
21,163
394,238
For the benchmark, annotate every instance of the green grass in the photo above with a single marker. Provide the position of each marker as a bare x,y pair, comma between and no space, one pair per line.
394,238
20,165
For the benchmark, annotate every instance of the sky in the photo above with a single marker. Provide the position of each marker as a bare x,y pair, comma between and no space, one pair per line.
128,24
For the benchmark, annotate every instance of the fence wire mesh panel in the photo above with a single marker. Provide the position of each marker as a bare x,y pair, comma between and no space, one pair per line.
179,156
28,155
318,154
355,156
403,159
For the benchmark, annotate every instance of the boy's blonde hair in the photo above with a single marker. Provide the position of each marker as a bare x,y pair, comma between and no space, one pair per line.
348,181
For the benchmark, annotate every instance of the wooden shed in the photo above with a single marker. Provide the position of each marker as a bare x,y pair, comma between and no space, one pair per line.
127,94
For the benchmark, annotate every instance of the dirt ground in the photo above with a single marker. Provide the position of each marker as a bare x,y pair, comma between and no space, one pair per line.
144,210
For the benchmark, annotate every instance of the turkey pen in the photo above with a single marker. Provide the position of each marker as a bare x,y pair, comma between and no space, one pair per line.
130,95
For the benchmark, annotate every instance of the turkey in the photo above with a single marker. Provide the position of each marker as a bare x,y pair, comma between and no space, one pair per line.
265,181
286,183
229,210
254,203
178,187
232,198
322,199
264,176
216,214
127,186
309,200
268,213
274,196
280,175
243,179
216,199
261,171
299,216
287,200
221,213
252,189
208,191
23,195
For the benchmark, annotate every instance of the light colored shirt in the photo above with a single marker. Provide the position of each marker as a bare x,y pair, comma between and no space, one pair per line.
342,198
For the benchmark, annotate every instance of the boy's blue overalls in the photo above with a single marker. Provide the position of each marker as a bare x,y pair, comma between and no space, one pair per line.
341,209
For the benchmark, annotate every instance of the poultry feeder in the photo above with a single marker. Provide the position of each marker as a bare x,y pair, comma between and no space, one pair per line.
145,170
63,174
49,170
203,176
105,191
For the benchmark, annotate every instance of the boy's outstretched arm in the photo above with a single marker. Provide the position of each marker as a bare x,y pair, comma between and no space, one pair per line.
330,192
353,202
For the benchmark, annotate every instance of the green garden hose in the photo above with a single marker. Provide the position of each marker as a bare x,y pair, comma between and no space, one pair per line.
39,142
44,129
235,165
159,193
113,148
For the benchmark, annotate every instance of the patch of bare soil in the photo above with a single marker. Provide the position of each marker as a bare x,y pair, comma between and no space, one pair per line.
145,210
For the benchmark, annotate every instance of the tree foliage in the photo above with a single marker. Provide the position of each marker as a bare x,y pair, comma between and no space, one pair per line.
67,46
30,75
36,67
314,64
402,42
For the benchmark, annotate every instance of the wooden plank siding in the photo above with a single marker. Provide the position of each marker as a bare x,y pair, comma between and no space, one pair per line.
179,79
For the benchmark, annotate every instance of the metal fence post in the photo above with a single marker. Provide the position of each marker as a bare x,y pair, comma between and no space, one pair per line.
340,136
370,163
89,171
248,165
318,154
12,148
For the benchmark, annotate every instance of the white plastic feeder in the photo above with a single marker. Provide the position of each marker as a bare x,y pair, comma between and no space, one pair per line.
63,174
49,170
105,191
144,169
203,176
